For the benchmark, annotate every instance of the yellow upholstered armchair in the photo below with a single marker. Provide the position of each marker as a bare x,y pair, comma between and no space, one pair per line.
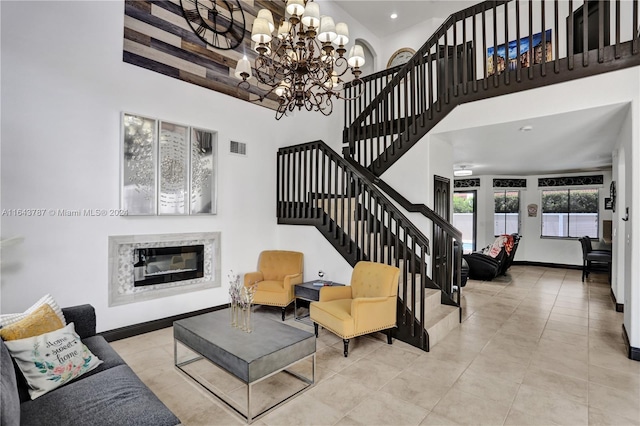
369,304
278,271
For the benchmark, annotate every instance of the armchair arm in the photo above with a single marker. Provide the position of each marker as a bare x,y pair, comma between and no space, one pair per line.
251,277
373,312
294,279
334,293
290,281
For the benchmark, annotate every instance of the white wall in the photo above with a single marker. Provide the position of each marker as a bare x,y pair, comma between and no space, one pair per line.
64,86
413,37
630,233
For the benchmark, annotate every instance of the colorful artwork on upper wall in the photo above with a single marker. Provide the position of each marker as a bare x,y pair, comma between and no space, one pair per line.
525,53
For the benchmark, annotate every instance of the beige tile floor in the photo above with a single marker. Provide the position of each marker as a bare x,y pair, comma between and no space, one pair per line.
537,347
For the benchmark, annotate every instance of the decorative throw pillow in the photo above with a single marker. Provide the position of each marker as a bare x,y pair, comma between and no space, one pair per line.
7,319
42,320
52,359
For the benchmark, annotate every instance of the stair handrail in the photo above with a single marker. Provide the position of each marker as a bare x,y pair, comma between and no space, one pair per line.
365,178
408,205
422,52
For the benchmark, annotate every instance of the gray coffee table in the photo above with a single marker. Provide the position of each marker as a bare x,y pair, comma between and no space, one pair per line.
270,348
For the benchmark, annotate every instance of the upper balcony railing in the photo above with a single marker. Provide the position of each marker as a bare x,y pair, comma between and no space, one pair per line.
492,48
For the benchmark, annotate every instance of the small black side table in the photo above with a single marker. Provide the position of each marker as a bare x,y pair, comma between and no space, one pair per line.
310,293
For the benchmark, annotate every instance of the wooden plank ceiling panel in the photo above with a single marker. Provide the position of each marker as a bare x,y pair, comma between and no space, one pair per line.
157,37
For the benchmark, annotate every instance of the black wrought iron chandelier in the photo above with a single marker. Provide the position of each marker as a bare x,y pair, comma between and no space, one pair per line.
298,62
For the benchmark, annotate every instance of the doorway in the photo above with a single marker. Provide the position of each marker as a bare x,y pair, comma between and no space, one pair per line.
465,217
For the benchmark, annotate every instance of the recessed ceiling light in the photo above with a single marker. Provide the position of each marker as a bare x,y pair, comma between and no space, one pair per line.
526,128
394,16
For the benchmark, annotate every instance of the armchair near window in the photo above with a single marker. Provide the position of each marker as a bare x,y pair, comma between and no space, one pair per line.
496,261
368,305
278,272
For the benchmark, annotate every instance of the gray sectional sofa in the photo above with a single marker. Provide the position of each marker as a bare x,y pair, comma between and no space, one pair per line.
111,394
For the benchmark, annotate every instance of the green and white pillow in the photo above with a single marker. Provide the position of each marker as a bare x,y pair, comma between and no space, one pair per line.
52,359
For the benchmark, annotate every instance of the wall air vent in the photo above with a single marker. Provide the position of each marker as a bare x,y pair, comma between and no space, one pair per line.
238,148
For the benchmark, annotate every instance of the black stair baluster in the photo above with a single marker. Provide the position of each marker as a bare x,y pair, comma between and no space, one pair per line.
601,31
464,52
556,12
337,199
278,183
518,52
412,265
635,30
570,54
357,217
299,184
343,198
617,47
438,77
496,68
423,273
405,131
445,53
430,81
349,207
422,80
507,67
543,67
305,188
474,51
288,179
485,83
585,34
455,60
376,227
385,124
530,51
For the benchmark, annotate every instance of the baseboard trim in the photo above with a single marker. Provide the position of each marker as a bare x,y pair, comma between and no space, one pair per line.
633,353
546,265
619,306
146,327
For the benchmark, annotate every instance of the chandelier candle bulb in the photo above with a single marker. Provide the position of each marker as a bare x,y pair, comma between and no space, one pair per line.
295,8
342,30
284,29
356,56
327,29
266,14
260,32
311,16
244,66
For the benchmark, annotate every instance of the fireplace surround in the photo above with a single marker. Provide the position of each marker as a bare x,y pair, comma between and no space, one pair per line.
145,267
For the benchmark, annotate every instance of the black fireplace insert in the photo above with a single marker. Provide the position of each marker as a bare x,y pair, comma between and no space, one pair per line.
160,265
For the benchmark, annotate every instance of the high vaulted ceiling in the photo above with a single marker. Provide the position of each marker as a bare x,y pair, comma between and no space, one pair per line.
375,14
572,142
576,141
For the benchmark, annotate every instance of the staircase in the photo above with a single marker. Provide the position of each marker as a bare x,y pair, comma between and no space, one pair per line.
345,197
318,187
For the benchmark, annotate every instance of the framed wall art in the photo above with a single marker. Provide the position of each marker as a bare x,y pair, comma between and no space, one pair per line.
167,168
